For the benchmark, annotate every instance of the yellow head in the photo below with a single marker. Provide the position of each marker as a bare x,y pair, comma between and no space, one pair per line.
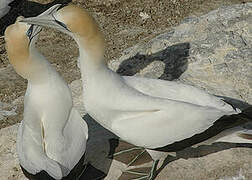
77,20
17,45
74,21
18,38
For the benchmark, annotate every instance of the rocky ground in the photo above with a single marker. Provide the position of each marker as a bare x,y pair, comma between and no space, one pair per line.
125,23
212,52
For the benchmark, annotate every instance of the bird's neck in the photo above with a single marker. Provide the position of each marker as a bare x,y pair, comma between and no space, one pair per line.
32,67
91,56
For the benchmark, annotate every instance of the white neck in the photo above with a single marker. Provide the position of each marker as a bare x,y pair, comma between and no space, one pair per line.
91,62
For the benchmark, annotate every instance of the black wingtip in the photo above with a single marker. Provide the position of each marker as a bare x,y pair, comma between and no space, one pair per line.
248,112
246,136
229,104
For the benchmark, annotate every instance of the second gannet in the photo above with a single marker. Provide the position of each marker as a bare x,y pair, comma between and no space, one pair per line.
52,136
154,114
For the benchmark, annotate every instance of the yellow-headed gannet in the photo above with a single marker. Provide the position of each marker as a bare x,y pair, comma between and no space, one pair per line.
154,114
52,136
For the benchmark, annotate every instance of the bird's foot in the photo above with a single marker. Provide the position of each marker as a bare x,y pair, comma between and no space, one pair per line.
136,157
141,173
127,150
135,175
130,154
136,152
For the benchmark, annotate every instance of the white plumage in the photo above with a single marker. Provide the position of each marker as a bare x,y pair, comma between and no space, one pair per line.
149,113
52,135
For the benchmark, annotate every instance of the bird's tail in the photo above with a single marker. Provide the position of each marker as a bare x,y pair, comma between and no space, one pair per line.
239,134
247,113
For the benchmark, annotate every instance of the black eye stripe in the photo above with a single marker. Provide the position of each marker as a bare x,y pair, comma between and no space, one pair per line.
60,23
29,31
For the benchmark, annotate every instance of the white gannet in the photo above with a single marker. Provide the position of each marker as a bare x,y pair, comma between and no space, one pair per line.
154,114
52,136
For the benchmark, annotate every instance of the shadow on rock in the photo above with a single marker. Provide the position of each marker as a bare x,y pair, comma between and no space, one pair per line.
201,151
91,173
98,149
174,58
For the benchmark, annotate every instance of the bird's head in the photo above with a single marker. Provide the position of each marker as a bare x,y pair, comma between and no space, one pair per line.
76,22
70,19
19,38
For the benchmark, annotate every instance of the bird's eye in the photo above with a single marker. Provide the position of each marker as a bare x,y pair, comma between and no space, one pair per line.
29,31
62,24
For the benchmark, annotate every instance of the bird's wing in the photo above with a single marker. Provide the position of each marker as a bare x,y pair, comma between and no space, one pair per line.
160,127
176,91
32,156
151,121
76,135
76,121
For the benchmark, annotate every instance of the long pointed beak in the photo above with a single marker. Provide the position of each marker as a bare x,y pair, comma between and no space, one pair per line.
47,19
35,30
32,33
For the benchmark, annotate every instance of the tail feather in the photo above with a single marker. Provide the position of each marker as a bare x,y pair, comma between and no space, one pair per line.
247,113
237,135
246,136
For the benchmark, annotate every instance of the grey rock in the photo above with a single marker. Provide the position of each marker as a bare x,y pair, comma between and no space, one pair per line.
7,110
212,52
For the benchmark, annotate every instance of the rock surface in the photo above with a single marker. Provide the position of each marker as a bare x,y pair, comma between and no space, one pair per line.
212,52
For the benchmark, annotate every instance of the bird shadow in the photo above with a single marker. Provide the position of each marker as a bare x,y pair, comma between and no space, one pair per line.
174,57
98,149
200,151
27,9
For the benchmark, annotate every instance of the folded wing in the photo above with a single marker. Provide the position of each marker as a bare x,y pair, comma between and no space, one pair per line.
176,91
174,112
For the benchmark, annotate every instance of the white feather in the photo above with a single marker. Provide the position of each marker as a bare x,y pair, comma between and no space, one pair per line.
52,135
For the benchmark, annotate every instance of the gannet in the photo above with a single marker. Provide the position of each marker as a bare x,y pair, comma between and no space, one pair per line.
52,135
154,114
